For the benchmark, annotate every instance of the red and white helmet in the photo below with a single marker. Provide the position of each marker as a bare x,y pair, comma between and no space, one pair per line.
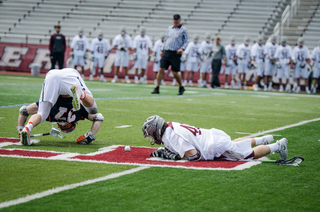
152,128
66,127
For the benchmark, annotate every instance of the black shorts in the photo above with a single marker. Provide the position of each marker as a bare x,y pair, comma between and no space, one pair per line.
170,58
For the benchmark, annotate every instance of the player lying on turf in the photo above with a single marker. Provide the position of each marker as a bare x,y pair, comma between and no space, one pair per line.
182,141
65,99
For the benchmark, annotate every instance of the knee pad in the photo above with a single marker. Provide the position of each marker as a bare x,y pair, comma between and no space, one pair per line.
98,117
23,111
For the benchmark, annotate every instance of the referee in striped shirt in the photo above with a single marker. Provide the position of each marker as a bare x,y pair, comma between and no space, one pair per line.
175,43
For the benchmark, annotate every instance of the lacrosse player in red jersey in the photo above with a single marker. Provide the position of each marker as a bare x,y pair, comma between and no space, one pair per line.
65,99
182,141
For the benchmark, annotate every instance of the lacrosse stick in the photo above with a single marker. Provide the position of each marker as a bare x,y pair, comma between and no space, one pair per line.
54,132
290,162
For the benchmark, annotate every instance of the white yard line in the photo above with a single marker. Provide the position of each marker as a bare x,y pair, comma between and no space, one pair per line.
67,187
282,128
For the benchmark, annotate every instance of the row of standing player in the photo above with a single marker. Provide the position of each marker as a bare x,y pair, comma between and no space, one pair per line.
268,60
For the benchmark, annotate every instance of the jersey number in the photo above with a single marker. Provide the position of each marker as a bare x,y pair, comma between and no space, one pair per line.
62,111
193,130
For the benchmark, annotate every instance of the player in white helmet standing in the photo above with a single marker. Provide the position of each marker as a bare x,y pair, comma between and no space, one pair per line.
192,54
141,45
100,49
300,56
158,46
283,56
316,72
122,43
244,54
270,62
205,68
79,46
231,63
257,57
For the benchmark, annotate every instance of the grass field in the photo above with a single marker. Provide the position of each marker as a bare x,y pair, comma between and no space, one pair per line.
264,187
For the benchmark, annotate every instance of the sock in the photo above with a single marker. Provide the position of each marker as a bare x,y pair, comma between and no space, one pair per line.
115,77
258,140
29,126
204,81
225,84
256,85
101,76
307,88
126,77
274,147
136,77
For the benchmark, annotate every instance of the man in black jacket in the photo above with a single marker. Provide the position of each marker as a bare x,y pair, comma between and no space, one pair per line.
57,48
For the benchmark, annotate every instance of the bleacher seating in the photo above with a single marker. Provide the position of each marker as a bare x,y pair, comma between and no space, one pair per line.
35,18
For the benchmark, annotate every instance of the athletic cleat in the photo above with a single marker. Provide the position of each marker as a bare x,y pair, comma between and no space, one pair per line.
281,88
114,80
156,91
91,77
265,88
76,94
283,150
181,91
25,138
288,88
128,81
297,90
267,139
102,79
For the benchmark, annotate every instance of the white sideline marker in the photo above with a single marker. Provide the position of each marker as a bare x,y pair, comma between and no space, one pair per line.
67,187
123,126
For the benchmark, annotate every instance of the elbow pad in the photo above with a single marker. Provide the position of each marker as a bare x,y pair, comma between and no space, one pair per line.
98,117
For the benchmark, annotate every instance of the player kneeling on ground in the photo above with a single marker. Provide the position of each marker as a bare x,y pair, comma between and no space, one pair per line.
64,99
182,141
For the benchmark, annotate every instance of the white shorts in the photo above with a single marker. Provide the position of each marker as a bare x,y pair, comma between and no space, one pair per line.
283,72
206,67
141,61
232,69
226,149
298,71
121,55
182,66
270,69
192,66
259,71
243,68
58,82
99,61
78,60
316,72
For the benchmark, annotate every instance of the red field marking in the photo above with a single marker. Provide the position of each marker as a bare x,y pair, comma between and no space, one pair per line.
28,153
11,140
140,155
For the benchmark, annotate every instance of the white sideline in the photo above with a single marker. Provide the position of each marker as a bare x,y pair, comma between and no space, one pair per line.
67,187
282,128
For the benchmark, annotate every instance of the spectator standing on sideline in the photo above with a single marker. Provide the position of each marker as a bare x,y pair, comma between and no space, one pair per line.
219,53
57,48
175,43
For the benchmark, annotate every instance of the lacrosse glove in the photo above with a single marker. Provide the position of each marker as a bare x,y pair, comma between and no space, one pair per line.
86,138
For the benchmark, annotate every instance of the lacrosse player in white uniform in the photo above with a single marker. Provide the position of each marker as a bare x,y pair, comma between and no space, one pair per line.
283,56
244,55
183,141
300,56
158,46
316,72
257,57
192,55
231,63
79,46
270,62
100,49
65,82
141,45
122,43
183,60
205,67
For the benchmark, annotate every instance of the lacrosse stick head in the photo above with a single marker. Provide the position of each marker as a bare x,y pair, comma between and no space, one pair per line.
291,162
56,132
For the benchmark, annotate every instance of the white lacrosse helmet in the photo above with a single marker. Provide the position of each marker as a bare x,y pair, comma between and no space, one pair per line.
284,40
273,39
260,39
66,127
232,40
122,30
100,34
162,35
300,41
196,38
80,31
208,37
142,31
246,40
152,128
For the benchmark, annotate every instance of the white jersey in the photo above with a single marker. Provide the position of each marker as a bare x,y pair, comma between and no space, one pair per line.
257,52
301,54
157,48
142,45
180,138
231,52
122,41
244,52
283,53
100,47
270,50
192,52
79,45
316,56
204,47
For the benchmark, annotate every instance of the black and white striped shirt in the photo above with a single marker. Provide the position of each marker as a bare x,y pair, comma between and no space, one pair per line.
176,38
